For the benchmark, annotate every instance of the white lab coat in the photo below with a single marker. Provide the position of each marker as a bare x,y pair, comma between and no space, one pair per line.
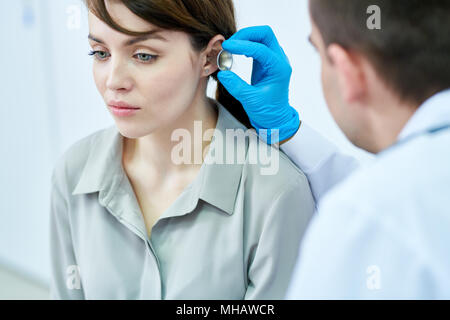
321,161
384,232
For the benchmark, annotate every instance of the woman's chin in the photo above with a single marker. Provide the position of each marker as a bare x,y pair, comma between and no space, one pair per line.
131,131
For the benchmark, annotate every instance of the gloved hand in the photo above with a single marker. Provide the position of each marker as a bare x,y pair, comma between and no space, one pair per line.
266,100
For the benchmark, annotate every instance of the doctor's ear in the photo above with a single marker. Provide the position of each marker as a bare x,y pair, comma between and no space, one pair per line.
210,55
350,72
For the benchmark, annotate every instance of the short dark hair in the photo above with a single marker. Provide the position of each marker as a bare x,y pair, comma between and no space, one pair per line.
411,51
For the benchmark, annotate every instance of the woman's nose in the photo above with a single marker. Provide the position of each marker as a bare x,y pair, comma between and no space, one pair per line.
119,76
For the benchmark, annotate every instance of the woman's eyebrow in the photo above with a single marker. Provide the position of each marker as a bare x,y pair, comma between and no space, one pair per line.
151,35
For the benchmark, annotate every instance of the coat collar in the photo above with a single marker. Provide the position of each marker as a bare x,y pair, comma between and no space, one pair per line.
432,114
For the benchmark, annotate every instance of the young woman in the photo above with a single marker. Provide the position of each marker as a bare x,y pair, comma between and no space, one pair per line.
128,221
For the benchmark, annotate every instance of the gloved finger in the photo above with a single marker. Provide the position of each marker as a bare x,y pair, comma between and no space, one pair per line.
260,34
233,83
255,50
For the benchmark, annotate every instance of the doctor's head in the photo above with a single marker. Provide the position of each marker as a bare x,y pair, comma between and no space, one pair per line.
381,59
158,55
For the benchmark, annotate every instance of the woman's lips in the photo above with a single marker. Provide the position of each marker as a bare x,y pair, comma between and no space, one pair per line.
122,112
122,109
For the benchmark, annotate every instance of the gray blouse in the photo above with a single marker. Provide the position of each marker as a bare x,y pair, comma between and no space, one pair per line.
233,233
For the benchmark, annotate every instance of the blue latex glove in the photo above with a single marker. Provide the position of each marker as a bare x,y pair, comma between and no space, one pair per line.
266,100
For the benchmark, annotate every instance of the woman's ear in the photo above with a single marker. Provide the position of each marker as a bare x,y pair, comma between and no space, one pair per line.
210,55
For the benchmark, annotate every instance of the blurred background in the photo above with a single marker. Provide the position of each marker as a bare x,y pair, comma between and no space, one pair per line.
49,101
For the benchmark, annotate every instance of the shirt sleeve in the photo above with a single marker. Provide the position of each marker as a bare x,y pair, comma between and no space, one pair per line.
319,159
270,271
349,254
65,280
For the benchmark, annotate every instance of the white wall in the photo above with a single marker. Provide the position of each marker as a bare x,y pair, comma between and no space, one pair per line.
26,147
49,100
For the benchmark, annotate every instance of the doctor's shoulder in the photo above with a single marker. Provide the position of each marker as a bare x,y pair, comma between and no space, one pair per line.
400,185
70,164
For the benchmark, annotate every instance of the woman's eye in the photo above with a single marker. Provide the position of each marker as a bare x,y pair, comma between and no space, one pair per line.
144,57
96,54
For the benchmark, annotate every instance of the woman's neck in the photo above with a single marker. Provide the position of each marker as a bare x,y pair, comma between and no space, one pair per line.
154,151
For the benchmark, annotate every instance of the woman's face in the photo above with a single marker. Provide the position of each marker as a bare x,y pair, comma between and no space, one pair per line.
161,75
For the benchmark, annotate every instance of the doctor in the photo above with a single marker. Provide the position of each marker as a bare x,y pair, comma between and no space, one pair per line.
382,231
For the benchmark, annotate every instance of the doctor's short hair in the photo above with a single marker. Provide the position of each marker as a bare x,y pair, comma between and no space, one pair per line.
200,19
411,48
